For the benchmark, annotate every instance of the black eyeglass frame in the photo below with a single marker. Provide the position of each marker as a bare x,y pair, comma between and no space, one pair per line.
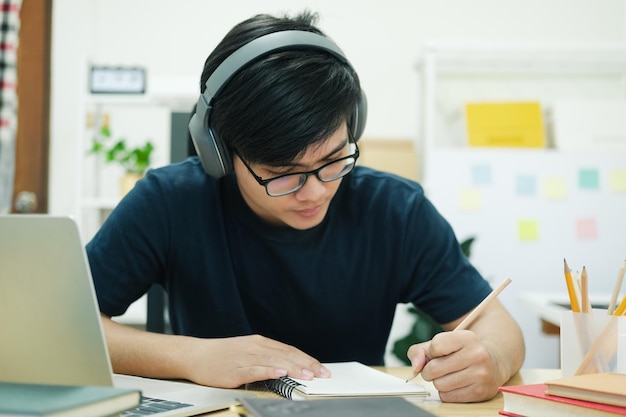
264,182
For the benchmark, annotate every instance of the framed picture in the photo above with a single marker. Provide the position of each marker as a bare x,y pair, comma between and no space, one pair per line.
117,80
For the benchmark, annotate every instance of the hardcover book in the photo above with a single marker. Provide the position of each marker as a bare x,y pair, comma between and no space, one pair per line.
606,388
41,400
532,401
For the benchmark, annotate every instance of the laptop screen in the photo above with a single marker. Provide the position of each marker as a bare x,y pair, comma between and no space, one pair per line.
50,324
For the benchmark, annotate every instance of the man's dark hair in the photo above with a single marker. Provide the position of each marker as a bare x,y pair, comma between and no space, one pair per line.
270,111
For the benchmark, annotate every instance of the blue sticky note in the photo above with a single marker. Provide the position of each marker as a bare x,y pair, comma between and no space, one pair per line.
481,175
526,185
588,179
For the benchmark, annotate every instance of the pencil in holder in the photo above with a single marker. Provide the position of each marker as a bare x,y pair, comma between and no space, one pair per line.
592,343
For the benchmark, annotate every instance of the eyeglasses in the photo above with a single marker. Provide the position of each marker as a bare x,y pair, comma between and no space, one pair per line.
290,183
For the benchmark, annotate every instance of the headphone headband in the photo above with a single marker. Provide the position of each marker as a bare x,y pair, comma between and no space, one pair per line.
212,151
288,39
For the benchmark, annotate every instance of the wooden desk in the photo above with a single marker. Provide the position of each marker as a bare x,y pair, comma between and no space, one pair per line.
433,404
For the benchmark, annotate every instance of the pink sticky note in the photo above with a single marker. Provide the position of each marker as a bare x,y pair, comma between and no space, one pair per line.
586,228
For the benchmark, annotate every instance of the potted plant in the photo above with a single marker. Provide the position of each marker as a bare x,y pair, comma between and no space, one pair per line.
134,160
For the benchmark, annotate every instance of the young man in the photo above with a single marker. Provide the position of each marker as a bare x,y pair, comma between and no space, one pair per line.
277,253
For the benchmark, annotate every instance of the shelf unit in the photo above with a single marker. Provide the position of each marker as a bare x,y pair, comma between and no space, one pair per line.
513,62
131,116
144,116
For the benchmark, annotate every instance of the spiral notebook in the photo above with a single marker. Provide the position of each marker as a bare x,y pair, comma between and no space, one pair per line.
349,379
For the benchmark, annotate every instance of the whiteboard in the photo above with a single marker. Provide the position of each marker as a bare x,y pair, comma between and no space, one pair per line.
529,210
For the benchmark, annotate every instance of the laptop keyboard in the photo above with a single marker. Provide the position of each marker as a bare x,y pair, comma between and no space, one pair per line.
150,406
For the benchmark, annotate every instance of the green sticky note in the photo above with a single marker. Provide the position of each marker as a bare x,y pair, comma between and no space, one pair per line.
588,179
528,230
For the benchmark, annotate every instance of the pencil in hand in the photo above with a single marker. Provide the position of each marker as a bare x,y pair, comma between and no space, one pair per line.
477,310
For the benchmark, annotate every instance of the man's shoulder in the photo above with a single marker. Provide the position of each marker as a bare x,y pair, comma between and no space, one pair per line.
365,179
190,167
181,183
370,192
187,174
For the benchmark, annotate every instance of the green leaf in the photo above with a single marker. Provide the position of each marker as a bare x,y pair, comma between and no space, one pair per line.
136,160
466,246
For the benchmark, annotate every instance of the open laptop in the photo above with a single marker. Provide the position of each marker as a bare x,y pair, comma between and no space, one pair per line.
50,323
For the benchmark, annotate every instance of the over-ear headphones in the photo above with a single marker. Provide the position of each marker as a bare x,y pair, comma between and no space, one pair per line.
213,153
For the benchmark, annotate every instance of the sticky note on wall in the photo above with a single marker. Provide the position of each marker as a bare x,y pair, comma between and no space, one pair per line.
555,188
588,179
470,199
586,228
525,185
618,180
528,230
507,124
481,174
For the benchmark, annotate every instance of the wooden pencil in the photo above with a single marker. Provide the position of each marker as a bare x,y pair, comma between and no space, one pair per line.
584,291
480,307
616,290
573,300
477,310
621,309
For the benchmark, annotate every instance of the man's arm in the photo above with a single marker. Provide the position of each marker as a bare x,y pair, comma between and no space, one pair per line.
470,365
224,363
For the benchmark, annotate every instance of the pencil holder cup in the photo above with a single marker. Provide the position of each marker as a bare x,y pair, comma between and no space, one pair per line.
592,343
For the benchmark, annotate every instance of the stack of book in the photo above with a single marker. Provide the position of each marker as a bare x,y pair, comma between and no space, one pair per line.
42,400
594,395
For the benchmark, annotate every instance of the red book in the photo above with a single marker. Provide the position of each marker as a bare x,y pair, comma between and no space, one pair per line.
531,400
509,414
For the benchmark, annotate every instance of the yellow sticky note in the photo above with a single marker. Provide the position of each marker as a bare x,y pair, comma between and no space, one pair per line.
528,230
555,188
470,199
618,180
506,124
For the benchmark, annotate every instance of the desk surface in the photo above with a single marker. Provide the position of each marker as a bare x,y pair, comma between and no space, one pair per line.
432,404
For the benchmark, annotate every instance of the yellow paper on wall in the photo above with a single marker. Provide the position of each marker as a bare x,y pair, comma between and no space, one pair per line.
506,124
528,230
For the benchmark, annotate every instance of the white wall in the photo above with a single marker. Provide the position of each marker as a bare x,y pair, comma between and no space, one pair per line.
382,39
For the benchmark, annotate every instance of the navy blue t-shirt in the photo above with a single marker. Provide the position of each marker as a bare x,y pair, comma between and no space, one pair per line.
331,291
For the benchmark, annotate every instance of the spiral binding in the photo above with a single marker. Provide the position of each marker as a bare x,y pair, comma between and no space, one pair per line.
283,386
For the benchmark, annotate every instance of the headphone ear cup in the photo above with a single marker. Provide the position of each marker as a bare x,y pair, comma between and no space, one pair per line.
214,155
357,122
